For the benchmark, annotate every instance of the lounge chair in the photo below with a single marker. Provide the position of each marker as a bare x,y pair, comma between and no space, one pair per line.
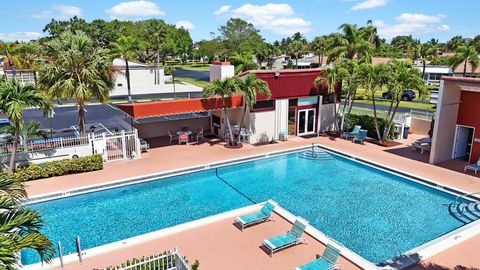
360,137
423,145
173,137
351,134
473,167
326,262
258,217
288,239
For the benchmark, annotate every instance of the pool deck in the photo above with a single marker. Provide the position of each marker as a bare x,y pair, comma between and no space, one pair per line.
221,245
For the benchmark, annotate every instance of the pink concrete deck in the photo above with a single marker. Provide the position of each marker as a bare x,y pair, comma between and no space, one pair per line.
204,243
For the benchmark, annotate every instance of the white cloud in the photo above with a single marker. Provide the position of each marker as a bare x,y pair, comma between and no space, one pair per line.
412,24
59,12
135,9
222,10
20,36
187,25
369,4
277,18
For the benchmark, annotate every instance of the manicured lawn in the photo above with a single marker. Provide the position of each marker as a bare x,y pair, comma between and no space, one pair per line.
403,104
194,67
192,81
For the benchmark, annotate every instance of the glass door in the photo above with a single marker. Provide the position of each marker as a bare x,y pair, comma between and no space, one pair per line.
306,122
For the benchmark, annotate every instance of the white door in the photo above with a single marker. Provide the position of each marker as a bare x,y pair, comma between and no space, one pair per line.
462,139
306,122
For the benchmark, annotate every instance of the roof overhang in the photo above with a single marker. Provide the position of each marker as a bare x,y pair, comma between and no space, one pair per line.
464,83
183,106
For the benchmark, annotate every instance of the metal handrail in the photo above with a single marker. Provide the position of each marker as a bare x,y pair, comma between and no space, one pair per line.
467,195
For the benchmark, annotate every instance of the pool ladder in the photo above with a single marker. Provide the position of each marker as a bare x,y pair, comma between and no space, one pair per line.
465,212
315,153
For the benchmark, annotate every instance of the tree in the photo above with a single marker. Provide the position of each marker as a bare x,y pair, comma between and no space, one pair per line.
332,77
242,62
154,33
455,42
353,43
27,57
466,54
14,98
224,89
320,46
19,226
428,52
250,87
127,48
352,82
296,48
27,132
77,70
239,36
402,75
267,52
210,49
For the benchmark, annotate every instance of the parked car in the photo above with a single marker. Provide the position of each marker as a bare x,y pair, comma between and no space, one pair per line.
408,95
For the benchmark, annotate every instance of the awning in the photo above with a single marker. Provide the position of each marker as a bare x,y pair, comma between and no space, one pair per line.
183,106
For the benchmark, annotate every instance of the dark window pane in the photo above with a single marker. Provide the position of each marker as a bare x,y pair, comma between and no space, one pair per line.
264,104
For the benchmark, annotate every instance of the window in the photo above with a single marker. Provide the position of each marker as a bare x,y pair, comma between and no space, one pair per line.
307,101
292,102
264,105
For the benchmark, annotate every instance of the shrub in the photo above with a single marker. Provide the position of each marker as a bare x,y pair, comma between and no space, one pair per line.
57,168
367,122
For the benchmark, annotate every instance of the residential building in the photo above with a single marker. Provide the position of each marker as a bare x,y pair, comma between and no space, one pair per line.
433,73
456,133
458,72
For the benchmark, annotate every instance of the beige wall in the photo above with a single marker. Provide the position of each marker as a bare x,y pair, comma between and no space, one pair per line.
420,126
157,129
326,117
262,123
444,130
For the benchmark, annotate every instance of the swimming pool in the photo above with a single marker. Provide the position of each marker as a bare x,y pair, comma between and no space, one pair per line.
374,213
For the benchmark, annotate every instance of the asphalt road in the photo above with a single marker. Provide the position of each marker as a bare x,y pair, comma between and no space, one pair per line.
384,108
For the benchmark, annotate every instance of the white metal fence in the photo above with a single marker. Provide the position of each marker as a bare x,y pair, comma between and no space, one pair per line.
425,115
171,260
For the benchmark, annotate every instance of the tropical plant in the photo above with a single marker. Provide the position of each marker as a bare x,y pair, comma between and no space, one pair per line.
127,48
428,52
14,98
402,76
224,89
352,82
466,54
27,132
455,42
267,52
19,226
373,78
353,43
320,46
296,48
250,87
332,78
242,62
76,69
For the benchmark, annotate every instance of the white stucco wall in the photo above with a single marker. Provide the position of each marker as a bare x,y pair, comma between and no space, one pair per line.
221,72
281,116
444,129
262,123
142,81
42,156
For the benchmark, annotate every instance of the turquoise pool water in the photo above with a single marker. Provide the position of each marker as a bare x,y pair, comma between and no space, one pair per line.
376,214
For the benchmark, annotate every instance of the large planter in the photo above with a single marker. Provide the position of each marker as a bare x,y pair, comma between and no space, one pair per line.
237,146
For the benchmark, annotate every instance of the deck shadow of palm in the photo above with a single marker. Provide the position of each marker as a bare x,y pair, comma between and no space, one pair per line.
434,266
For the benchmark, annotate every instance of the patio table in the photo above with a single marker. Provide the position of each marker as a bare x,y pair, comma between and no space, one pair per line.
188,132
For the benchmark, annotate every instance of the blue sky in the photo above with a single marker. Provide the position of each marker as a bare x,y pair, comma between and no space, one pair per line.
424,19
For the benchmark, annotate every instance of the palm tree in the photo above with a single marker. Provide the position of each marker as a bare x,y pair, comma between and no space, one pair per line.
428,52
320,46
373,78
466,54
353,43
27,132
128,48
332,77
27,57
296,48
242,62
352,82
402,76
19,226
250,87
225,89
77,70
14,98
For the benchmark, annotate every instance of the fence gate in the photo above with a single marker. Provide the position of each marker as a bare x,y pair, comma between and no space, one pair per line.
118,146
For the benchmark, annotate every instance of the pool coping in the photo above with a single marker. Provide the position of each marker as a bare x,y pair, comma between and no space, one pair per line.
402,261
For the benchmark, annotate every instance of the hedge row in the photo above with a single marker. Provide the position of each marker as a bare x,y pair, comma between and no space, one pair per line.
367,122
57,168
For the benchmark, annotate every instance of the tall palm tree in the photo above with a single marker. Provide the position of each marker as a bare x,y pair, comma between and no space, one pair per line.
353,43
250,87
127,48
224,89
14,98
402,76
296,48
27,57
76,69
19,226
242,62
27,132
332,77
352,82
320,46
373,78
428,52
466,54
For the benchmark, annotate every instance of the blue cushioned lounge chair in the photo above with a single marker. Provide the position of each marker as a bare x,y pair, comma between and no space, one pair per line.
360,137
291,238
326,262
473,167
257,217
352,133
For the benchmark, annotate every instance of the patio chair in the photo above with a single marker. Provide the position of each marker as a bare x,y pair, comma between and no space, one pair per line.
257,217
291,238
200,135
173,137
183,138
423,145
473,167
325,262
351,134
360,137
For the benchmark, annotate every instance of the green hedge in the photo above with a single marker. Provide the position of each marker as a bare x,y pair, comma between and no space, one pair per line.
57,168
367,122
